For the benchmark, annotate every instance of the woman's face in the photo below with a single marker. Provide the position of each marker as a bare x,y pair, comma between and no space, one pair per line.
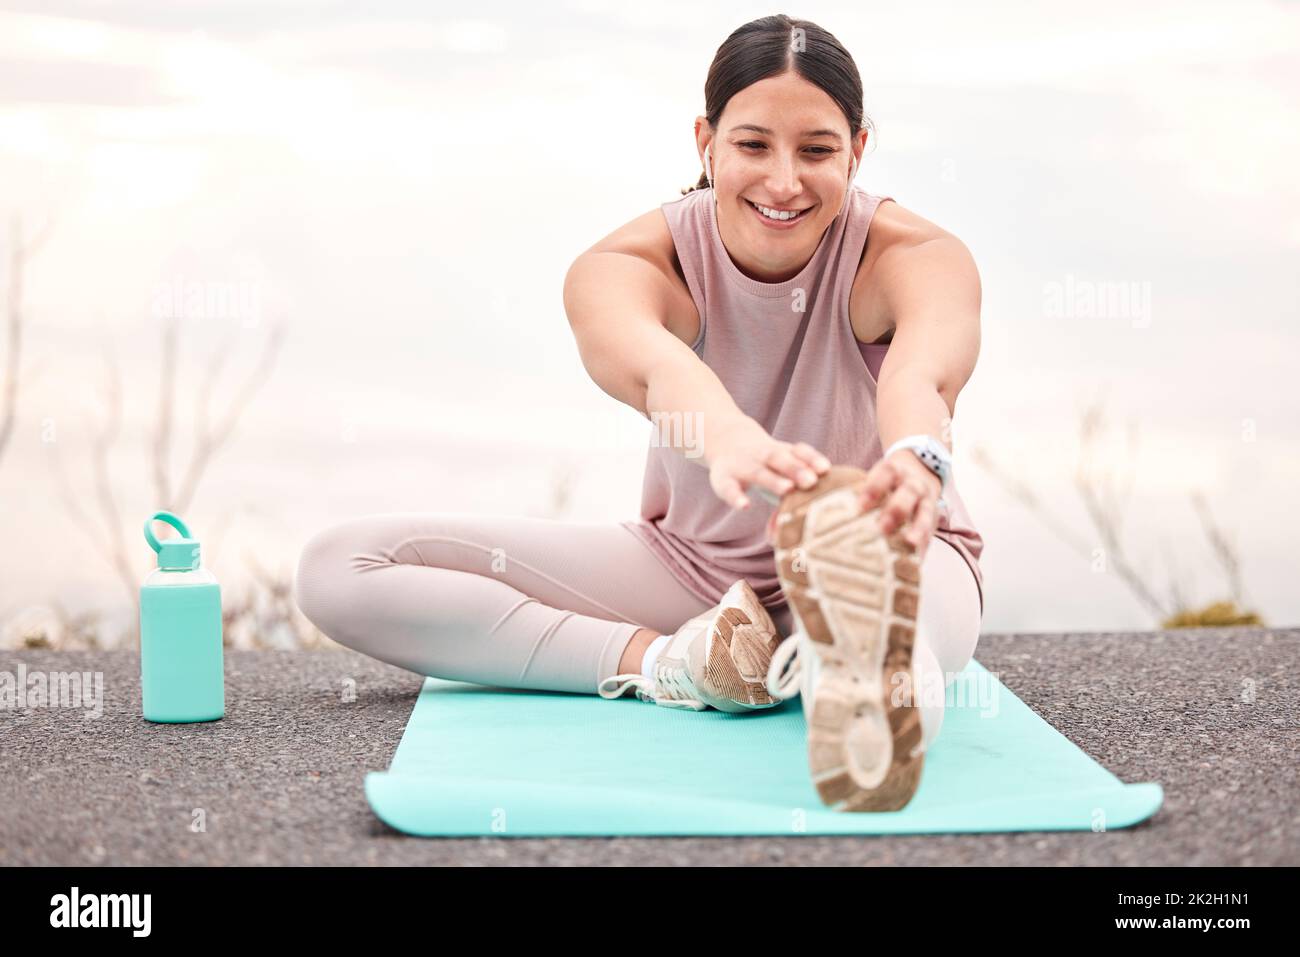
781,143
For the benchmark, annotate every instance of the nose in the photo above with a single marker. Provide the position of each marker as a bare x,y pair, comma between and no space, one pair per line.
783,179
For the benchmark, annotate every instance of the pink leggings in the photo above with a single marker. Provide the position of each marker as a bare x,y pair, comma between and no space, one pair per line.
542,604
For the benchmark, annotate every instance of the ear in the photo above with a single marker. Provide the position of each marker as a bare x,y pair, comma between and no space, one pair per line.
703,134
857,148
703,142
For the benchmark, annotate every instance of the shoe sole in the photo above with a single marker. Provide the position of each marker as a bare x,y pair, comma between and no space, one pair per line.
855,593
738,646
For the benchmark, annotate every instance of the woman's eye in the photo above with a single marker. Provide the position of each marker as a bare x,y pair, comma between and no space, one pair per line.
819,150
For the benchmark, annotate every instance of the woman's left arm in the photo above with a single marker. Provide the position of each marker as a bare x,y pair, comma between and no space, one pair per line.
931,290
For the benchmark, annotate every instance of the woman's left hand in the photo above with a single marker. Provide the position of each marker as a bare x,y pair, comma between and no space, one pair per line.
910,493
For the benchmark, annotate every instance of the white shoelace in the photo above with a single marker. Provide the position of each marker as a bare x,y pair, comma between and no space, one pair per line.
672,684
779,686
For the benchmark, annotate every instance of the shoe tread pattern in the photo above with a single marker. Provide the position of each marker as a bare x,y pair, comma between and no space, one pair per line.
855,593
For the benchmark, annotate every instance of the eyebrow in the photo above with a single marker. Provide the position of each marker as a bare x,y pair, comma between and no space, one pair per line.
766,132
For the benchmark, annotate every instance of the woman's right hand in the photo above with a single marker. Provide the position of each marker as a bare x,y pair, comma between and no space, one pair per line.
744,455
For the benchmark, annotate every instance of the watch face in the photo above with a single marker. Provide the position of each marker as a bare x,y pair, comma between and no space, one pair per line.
936,457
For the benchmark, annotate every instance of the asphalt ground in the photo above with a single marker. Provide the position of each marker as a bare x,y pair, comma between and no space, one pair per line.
1209,714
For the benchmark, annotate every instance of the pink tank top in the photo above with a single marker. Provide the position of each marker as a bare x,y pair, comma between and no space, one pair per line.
802,375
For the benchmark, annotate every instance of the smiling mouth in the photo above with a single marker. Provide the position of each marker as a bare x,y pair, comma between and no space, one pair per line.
783,218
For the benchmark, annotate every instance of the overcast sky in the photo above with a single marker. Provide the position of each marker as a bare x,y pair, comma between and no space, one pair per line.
405,188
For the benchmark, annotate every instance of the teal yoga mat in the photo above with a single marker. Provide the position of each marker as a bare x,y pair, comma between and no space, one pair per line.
477,760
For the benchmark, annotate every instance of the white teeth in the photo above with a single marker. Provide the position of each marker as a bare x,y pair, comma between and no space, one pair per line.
774,214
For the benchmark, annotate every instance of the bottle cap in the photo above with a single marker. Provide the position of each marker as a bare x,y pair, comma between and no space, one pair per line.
174,554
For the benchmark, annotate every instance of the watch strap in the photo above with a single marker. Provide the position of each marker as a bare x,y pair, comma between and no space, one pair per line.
932,455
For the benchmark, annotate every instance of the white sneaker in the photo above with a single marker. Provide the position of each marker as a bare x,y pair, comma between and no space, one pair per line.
801,678
854,596
717,659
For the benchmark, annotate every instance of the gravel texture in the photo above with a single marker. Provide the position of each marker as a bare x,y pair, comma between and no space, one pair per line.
1210,714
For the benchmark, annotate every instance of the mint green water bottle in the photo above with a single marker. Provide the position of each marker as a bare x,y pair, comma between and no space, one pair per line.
182,675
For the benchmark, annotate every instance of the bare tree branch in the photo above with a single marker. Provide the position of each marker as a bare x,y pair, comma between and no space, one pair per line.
108,539
203,396
79,515
1223,548
217,532
1101,501
207,444
1181,584
104,483
1024,493
162,440
20,253
1104,507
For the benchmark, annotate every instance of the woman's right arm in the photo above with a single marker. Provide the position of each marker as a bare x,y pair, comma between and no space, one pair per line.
618,306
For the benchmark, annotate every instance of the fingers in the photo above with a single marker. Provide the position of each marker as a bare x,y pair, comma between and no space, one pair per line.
820,463
785,462
901,506
777,469
881,479
771,479
798,462
924,522
733,492
729,491
908,499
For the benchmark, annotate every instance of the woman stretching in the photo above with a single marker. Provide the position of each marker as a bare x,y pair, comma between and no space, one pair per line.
773,320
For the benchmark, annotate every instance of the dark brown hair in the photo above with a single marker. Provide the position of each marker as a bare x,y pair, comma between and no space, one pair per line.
770,46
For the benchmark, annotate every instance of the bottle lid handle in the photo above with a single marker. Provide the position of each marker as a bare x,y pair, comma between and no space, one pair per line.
171,520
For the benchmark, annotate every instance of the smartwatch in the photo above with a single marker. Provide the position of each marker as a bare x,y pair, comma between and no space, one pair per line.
933,454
